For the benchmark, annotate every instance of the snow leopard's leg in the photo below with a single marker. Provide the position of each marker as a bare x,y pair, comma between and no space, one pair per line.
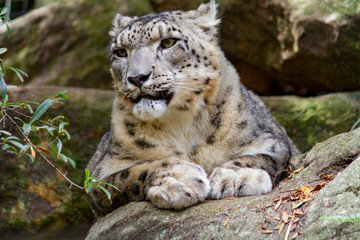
171,184
240,177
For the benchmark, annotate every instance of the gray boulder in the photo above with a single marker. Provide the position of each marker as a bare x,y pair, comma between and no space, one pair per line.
288,46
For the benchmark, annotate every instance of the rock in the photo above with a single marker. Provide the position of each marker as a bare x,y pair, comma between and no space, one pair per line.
64,43
248,217
292,47
299,47
315,119
339,198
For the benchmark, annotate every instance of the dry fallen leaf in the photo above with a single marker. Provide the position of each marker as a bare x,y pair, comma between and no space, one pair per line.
293,227
318,187
226,222
327,177
281,227
263,226
306,191
298,212
268,231
33,153
278,205
285,216
43,150
231,198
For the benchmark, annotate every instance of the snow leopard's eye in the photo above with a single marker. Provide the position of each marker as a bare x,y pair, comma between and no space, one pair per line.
121,52
168,42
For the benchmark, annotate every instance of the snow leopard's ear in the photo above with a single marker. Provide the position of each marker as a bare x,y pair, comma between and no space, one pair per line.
206,17
118,23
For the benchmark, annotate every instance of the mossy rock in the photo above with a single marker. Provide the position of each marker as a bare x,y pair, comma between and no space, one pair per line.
65,42
315,119
289,46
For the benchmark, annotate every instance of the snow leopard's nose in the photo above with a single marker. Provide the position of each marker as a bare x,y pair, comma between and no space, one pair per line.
139,80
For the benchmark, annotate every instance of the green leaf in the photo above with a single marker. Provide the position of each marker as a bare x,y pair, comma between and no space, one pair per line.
62,124
87,175
6,98
88,187
43,107
8,30
61,94
110,185
68,135
11,86
19,119
36,103
3,87
48,128
12,137
63,157
18,72
5,132
31,157
3,10
6,146
108,195
28,106
2,50
27,128
21,71
24,149
355,124
105,183
12,105
17,144
93,180
59,148
72,162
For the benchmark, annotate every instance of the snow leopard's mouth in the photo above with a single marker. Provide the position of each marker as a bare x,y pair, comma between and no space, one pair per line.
163,95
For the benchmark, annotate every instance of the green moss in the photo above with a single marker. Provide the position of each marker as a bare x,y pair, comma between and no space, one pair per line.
47,220
312,120
18,223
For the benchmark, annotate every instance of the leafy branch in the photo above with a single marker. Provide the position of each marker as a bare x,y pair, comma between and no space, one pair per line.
26,125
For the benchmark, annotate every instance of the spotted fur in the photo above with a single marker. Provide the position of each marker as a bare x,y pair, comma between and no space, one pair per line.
183,127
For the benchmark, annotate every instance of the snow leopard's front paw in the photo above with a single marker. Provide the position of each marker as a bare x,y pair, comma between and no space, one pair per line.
238,182
178,186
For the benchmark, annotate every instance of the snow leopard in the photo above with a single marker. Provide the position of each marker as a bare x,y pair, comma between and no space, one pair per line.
183,127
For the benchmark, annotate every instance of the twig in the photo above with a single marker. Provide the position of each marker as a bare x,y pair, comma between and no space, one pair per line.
40,153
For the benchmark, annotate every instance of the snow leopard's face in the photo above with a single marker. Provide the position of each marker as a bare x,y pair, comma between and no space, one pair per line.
163,61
